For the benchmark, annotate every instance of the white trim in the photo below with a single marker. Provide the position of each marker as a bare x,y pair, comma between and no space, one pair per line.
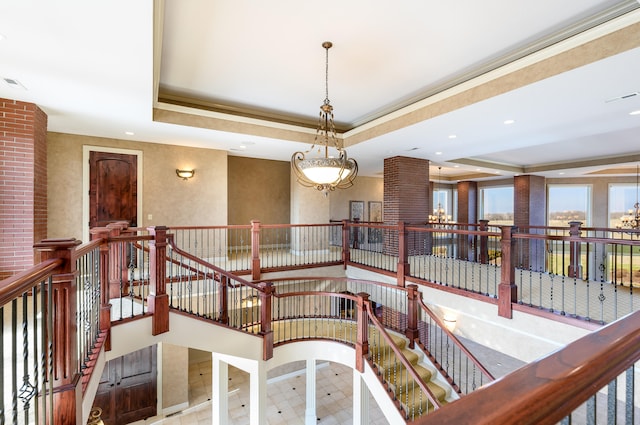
86,149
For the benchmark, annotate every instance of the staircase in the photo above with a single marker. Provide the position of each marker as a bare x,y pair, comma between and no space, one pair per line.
399,382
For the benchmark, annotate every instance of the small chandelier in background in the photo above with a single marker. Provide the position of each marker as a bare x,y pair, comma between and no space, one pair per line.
439,214
325,172
632,219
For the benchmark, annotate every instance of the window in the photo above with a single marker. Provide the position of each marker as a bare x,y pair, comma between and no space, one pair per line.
567,203
442,199
496,205
622,197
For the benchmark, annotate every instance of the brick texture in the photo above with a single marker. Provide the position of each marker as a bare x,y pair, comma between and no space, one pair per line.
467,202
407,197
23,184
529,209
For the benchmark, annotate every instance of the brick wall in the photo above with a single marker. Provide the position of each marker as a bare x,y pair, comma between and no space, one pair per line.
407,195
23,184
467,202
529,209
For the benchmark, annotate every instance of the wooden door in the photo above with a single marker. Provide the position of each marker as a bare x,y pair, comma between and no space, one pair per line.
113,188
127,389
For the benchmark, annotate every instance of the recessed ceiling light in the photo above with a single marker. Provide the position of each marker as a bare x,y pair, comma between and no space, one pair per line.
456,166
452,136
13,83
637,112
242,147
129,133
561,173
507,122
438,153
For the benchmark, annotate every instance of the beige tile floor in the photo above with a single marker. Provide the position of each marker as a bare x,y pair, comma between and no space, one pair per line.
285,395
287,388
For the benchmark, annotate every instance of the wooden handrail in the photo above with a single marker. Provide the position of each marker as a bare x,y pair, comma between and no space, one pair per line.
87,247
18,284
217,269
547,390
398,353
454,338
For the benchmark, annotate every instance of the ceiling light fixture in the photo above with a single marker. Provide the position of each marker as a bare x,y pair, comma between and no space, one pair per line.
637,112
632,219
325,173
507,122
439,214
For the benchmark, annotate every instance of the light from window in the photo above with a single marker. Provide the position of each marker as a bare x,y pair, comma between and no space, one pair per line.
497,205
569,203
622,197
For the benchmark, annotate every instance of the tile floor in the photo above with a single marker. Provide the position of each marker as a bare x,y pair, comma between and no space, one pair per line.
286,392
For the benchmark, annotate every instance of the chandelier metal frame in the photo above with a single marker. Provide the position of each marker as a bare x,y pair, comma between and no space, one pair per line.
325,172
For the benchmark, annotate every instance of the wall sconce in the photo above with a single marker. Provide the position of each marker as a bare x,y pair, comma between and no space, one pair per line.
251,301
449,322
185,174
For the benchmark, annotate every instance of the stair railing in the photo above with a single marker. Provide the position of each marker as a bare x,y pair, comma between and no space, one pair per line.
554,388
26,380
457,364
199,288
409,392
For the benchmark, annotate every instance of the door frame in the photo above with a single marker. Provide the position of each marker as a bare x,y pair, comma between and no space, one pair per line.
86,150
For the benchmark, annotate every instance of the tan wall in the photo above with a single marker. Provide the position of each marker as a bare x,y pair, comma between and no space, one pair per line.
364,189
175,379
258,190
201,200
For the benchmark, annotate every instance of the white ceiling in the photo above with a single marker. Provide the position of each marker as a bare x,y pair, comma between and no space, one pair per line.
97,68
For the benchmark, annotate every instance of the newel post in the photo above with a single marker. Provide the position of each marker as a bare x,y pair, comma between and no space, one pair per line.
575,268
223,306
158,299
118,282
507,290
346,249
105,305
362,342
67,386
255,249
266,298
403,254
484,242
356,233
412,314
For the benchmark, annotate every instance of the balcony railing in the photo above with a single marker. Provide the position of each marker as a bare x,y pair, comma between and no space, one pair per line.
125,274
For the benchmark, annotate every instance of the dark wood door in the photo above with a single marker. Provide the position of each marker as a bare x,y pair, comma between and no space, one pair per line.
127,389
113,188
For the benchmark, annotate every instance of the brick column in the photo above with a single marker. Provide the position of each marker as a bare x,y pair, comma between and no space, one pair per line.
467,213
23,184
407,197
530,209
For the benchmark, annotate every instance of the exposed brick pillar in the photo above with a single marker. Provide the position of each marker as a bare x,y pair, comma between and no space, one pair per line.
23,184
530,209
467,213
407,196
467,202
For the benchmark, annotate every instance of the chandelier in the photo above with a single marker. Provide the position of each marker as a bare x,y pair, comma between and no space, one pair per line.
439,214
632,219
325,172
